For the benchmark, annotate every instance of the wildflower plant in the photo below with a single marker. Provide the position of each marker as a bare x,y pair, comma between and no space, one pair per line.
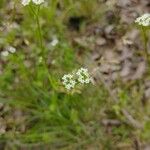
81,76
144,23
36,14
41,114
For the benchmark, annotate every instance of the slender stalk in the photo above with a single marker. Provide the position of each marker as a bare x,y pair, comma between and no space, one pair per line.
36,14
145,43
41,40
39,29
40,36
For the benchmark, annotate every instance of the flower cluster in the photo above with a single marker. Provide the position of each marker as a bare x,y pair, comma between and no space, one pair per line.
144,20
81,76
37,2
7,51
68,81
54,42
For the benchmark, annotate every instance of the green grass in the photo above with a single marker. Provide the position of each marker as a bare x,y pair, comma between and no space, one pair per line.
52,117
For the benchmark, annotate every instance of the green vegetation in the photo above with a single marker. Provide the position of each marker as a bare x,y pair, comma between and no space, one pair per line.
50,117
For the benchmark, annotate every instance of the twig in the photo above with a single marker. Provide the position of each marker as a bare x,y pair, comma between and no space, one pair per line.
131,120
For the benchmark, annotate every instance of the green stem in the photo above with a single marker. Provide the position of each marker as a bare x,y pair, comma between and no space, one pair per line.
39,32
36,14
41,40
145,43
32,10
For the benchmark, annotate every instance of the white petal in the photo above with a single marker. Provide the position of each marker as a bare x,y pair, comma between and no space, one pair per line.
5,53
25,2
37,2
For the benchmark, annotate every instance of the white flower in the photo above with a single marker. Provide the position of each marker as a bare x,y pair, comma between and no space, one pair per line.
4,53
83,75
54,42
8,50
25,2
37,2
68,81
144,20
11,49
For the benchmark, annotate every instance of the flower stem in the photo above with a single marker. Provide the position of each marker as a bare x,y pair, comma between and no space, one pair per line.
145,43
40,36
36,14
39,30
